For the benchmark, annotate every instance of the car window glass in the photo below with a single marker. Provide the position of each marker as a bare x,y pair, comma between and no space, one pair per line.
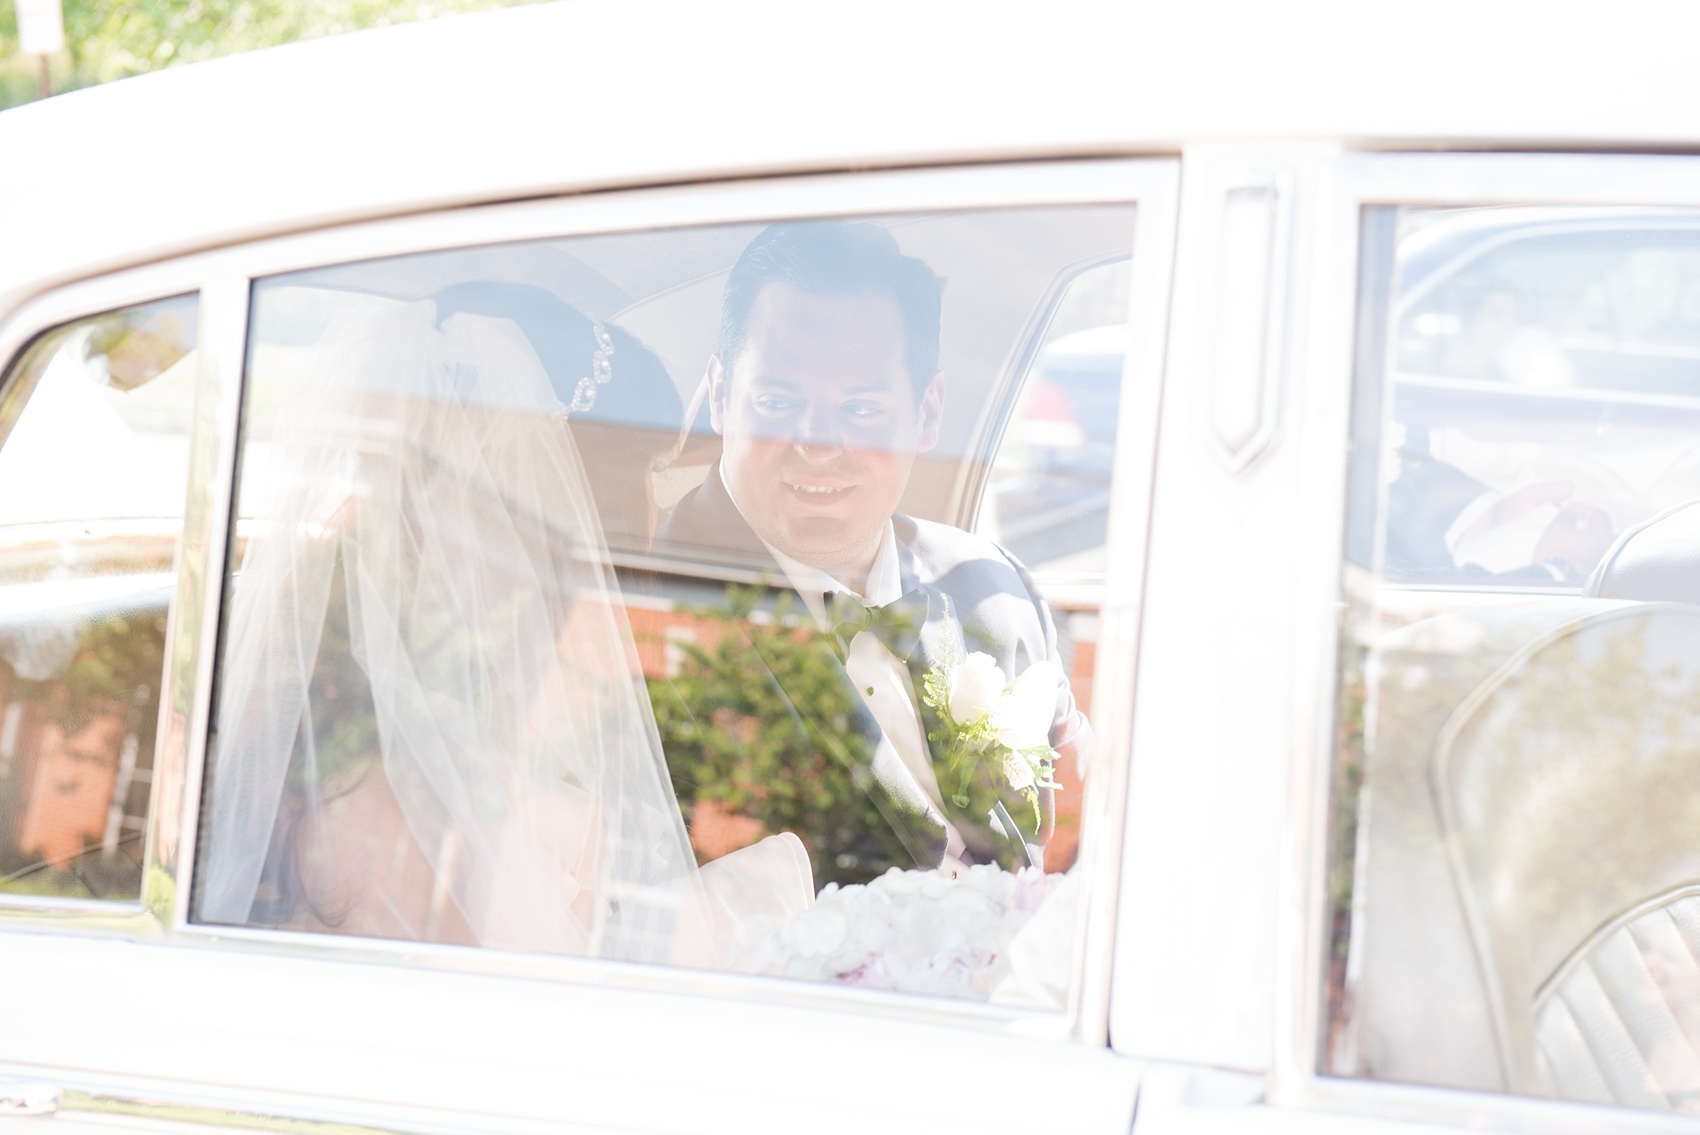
1513,878
93,466
614,596
1048,501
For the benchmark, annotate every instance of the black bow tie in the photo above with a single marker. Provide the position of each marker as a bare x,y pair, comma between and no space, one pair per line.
897,624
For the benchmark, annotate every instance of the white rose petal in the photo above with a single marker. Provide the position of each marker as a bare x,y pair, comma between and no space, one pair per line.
814,932
1023,716
929,932
976,686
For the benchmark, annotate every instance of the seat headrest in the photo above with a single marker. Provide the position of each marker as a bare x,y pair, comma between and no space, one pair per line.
1658,560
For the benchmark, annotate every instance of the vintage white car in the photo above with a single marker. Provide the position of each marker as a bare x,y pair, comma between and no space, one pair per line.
669,567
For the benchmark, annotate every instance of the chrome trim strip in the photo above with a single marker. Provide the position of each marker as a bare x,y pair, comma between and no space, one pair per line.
193,634
113,1103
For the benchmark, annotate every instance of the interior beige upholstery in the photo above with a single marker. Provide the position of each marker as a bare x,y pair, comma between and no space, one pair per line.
1658,559
1620,1022
1418,1012
1568,792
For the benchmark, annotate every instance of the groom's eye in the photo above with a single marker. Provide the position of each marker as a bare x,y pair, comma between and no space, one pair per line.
863,411
776,405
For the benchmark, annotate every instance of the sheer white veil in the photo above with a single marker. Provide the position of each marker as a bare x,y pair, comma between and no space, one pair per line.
429,498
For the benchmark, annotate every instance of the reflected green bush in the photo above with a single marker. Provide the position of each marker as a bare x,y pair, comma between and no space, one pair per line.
733,740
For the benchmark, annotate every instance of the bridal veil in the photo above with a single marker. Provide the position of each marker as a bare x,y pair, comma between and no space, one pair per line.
431,720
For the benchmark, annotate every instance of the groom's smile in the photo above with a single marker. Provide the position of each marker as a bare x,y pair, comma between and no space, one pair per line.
821,424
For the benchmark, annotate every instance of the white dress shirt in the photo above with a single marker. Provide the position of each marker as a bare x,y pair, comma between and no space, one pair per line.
880,676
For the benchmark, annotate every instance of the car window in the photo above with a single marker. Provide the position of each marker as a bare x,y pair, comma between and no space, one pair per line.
1514,867
619,596
1048,500
93,465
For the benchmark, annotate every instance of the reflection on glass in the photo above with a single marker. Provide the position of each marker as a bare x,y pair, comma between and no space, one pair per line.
1050,493
1546,389
1513,866
609,597
92,486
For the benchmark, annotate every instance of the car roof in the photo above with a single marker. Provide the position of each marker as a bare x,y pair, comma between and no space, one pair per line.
594,94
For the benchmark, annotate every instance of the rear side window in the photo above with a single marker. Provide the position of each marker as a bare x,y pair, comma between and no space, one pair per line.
1515,865
621,596
94,448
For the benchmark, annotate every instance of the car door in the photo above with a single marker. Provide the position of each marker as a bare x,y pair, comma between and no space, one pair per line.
295,1002
1440,600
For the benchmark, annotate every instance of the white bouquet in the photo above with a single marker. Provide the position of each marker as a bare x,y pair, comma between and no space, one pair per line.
988,720
930,932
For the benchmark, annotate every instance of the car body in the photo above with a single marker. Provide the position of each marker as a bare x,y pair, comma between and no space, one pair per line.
1215,550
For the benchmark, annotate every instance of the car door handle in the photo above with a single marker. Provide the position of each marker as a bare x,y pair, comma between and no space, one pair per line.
28,1098
1249,334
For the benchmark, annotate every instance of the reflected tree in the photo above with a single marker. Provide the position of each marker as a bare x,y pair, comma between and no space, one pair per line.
742,763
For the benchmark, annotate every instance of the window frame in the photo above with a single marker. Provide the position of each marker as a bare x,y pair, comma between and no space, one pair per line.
223,279
147,914
1357,182
1077,589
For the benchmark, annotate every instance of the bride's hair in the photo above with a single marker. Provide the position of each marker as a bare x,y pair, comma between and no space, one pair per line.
633,418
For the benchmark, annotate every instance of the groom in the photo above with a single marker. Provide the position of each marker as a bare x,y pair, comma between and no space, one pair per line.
824,389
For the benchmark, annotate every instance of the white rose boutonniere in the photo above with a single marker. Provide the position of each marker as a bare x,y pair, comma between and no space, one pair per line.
989,721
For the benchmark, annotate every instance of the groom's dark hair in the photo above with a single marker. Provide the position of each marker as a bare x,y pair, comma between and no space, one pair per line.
837,258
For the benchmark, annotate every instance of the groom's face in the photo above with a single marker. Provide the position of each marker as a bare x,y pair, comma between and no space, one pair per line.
820,422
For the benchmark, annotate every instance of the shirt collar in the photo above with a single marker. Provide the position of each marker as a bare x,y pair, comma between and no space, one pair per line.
885,580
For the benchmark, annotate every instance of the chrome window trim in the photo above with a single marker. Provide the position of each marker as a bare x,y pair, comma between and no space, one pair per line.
192,636
1357,181
1107,181
223,277
96,1105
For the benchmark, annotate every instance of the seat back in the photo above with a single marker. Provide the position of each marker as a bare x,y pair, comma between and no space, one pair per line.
1418,1013
1619,1023
1568,794
1658,560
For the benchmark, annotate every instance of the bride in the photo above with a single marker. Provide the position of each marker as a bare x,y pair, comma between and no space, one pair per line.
431,722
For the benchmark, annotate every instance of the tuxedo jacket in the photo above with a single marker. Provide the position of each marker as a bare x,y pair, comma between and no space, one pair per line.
962,593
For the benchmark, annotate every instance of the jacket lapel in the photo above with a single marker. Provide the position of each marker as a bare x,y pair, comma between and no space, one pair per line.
707,526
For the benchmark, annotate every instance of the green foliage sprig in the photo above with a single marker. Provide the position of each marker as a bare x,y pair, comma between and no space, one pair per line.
973,752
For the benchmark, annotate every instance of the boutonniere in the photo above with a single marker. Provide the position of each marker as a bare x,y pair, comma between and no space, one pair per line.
989,720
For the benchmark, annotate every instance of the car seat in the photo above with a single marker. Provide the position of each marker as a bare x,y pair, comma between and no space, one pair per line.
1566,792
